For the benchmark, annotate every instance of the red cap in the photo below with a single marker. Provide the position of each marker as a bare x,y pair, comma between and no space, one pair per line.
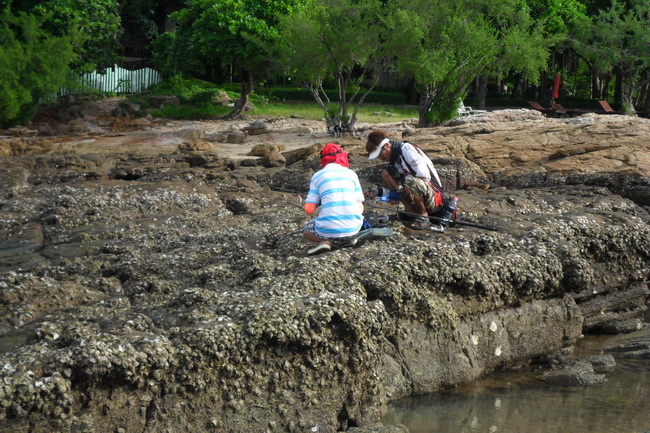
332,153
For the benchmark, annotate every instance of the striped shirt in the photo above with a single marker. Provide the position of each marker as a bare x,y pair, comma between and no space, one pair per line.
338,191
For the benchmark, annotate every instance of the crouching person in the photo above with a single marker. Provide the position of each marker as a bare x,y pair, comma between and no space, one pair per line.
336,189
410,176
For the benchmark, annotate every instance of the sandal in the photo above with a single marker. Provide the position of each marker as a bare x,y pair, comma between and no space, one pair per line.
320,248
420,223
402,217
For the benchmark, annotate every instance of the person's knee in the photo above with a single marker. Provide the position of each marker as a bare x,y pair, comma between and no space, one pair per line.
412,194
385,175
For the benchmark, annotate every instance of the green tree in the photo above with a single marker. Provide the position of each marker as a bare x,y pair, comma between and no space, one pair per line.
446,44
95,23
556,18
140,14
618,37
43,41
34,64
217,33
522,48
340,39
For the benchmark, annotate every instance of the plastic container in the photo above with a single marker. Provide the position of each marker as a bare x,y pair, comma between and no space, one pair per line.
450,211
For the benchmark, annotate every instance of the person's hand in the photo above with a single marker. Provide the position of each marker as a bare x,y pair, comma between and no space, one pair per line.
371,192
393,197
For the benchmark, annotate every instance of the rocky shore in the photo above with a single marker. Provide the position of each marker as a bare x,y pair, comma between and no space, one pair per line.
153,278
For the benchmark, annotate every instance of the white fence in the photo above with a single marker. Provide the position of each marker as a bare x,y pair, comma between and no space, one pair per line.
113,80
119,80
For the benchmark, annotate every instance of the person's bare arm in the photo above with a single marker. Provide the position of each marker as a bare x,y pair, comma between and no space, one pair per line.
388,180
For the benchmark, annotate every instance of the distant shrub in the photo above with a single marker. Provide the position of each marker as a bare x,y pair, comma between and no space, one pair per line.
203,96
198,97
302,94
441,112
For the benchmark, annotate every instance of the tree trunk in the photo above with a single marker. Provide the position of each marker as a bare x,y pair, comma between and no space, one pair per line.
481,93
518,88
618,86
605,87
426,99
503,87
352,121
645,92
413,95
332,124
541,89
596,83
247,85
627,88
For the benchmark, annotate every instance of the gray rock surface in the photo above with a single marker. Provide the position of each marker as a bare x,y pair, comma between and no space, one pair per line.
150,286
634,346
578,373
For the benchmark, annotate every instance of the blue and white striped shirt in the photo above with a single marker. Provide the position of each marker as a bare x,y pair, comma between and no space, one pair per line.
338,191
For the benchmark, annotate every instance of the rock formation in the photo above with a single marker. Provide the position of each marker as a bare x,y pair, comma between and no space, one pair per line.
148,285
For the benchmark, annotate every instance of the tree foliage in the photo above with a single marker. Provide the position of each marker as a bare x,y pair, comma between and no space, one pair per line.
43,41
447,44
557,16
334,39
619,37
35,63
96,25
216,33
140,14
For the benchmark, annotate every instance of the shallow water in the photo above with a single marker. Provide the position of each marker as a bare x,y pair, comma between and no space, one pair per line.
514,402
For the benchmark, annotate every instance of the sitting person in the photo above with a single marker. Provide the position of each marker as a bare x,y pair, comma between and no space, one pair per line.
410,176
337,190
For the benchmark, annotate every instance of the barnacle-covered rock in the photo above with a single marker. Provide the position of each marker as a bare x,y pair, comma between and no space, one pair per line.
173,292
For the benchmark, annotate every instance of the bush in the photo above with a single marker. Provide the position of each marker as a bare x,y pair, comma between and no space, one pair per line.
203,96
441,112
34,65
177,85
302,94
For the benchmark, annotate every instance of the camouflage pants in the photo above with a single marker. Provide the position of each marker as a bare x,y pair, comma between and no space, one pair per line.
432,198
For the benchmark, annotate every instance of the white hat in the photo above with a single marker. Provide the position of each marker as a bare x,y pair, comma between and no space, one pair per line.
375,153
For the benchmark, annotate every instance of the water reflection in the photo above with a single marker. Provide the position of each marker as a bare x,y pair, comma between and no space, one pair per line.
514,402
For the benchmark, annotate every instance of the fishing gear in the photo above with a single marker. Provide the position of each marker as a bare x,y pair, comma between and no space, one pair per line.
448,221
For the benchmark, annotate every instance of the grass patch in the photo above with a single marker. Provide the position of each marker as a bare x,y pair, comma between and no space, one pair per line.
302,110
312,111
197,102
385,114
